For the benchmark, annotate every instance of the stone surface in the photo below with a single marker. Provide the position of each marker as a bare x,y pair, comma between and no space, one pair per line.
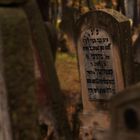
125,110
18,73
94,125
98,52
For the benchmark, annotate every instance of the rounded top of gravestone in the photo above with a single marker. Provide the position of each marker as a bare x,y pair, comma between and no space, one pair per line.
107,19
105,13
11,2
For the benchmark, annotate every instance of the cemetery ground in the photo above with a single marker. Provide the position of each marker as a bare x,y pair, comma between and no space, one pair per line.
67,71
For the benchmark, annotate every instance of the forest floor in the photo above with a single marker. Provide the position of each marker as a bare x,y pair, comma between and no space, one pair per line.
67,71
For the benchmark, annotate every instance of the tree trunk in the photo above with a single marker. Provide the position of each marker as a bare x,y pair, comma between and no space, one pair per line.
44,9
121,6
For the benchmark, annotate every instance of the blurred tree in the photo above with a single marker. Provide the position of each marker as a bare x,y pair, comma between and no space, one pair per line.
54,5
108,3
44,9
90,4
120,6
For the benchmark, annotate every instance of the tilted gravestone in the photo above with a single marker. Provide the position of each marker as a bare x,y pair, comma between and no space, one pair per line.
18,117
105,61
50,79
125,110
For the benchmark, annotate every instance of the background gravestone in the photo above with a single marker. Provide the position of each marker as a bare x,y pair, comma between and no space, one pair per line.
17,71
132,10
125,110
105,62
129,8
50,79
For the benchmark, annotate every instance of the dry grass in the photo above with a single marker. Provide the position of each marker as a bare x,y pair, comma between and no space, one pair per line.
67,71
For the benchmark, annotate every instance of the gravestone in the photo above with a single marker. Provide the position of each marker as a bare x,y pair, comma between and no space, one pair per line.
47,68
131,10
105,61
125,110
98,53
104,53
18,117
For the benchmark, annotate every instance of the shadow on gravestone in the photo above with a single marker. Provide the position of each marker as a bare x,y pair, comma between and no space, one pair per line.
5,123
18,73
105,62
136,55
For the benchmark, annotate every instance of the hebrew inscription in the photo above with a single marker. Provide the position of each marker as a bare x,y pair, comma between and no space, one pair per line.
97,51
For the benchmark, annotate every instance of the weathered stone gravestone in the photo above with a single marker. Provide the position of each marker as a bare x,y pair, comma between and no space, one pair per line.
18,106
104,53
125,110
98,53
